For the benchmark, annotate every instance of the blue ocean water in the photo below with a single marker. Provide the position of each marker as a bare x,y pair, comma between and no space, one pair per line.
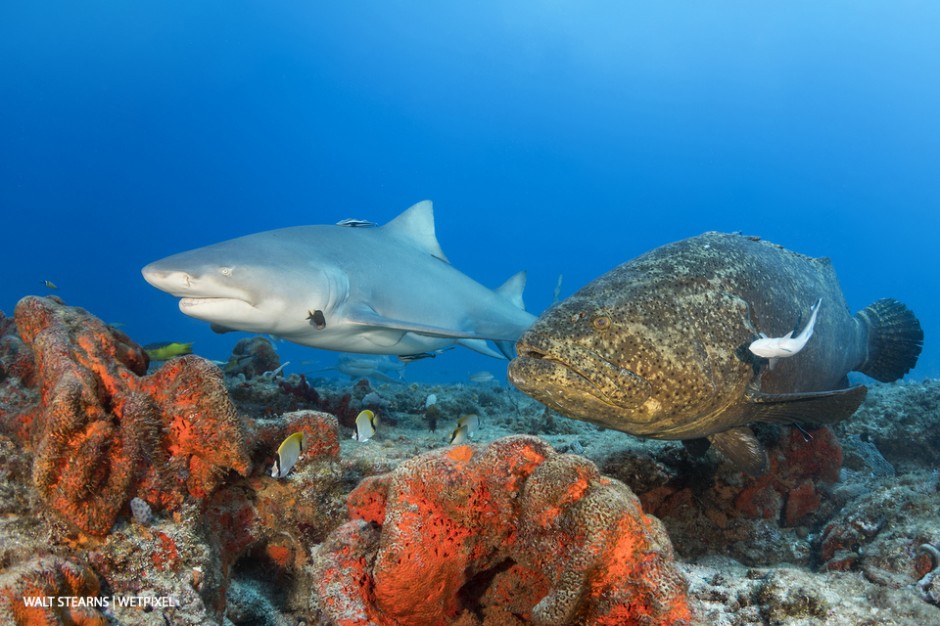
559,137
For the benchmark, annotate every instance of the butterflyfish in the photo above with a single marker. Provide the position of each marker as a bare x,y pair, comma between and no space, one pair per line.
365,426
472,423
287,454
459,435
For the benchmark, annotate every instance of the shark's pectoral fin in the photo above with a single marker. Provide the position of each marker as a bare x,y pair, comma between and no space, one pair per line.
742,448
218,328
367,316
820,407
508,348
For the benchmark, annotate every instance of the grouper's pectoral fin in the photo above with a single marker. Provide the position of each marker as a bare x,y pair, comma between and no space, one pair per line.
818,407
742,448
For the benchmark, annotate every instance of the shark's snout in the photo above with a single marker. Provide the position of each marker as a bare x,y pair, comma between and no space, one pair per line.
176,282
193,286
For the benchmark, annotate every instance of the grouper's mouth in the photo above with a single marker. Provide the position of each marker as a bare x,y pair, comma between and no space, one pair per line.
573,379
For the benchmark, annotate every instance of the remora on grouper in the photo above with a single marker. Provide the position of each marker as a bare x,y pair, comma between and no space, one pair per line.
658,347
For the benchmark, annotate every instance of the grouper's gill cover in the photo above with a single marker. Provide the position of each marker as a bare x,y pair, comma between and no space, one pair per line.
657,347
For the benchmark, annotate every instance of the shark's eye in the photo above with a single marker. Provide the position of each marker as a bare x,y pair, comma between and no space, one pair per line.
601,322
225,271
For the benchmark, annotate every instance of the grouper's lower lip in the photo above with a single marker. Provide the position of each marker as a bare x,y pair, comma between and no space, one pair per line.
530,373
541,373
550,382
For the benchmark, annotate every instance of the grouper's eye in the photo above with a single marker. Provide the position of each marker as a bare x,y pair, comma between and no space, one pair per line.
601,322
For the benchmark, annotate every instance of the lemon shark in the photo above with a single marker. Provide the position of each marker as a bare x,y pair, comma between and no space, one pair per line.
378,290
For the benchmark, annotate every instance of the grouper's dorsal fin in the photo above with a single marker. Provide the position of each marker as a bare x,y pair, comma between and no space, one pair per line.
742,448
416,225
818,407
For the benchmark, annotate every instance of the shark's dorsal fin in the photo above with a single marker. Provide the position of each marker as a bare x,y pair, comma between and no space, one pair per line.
416,225
512,289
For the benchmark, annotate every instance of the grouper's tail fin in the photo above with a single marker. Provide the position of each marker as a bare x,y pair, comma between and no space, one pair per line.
895,339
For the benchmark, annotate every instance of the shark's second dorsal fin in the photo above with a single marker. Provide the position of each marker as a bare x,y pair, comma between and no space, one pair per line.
512,289
416,225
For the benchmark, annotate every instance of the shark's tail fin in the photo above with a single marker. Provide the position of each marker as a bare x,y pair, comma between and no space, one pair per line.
895,339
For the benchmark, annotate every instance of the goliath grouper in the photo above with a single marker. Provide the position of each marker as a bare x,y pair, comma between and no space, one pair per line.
659,346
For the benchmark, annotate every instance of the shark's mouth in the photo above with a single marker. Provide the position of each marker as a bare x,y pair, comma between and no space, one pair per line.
575,372
218,310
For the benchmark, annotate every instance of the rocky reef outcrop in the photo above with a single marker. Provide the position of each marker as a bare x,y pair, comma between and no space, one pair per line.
509,533
84,430
103,431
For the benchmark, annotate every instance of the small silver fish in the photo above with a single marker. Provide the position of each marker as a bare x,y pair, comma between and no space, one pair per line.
48,284
482,377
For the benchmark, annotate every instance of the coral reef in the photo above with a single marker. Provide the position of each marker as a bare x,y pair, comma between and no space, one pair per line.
889,418
17,379
46,581
880,531
104,431
512,527
519,531
251,357
725,593
710,507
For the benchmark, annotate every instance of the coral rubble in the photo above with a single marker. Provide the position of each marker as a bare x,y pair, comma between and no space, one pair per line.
512,527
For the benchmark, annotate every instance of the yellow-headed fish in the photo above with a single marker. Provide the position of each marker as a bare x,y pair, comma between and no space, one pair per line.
166,350
287,454
365,426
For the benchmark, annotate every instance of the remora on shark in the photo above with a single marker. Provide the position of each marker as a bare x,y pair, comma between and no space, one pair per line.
384,290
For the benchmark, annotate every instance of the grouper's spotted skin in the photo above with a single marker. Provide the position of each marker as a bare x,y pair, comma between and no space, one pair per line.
658,347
